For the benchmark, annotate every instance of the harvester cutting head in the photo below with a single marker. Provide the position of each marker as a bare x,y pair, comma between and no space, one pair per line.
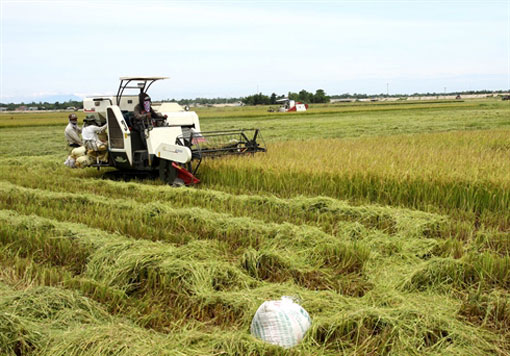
221,143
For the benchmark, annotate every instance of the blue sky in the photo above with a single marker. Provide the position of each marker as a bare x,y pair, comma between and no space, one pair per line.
233,48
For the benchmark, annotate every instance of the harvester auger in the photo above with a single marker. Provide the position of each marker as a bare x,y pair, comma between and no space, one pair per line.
174,147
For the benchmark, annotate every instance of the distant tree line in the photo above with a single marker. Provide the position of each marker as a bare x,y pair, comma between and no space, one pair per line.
255,99
45,105
303,96
204,101
261,99
306,97
383,95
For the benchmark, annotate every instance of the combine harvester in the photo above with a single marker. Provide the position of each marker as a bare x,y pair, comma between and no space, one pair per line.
287,105
174,147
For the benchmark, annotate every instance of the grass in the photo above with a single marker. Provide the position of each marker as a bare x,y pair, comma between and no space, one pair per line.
388,221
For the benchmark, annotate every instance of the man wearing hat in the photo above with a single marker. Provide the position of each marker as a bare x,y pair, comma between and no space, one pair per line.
90,134
144,112
145,116
72,132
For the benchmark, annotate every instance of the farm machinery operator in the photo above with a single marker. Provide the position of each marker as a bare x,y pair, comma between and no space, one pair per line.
143,112
144,115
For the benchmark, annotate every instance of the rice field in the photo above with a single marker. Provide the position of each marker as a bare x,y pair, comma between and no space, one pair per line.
390,223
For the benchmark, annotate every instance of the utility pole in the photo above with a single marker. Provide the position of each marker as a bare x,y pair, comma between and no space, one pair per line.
387,89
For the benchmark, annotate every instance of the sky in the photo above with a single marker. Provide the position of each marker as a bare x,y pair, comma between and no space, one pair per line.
237,48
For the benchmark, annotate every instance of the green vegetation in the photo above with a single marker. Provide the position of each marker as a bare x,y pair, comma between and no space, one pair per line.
303,96
306,97
45,105
382,95
388,221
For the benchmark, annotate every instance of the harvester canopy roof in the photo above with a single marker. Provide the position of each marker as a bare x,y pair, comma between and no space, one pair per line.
142,78
143,84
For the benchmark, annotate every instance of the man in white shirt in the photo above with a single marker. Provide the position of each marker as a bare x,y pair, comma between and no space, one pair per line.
90,136
72,132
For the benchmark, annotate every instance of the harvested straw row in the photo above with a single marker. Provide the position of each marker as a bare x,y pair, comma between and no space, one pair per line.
158,221
327,213
138,268
365,326
484,269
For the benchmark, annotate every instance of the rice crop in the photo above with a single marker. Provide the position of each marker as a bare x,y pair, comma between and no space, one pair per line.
413,171
387,222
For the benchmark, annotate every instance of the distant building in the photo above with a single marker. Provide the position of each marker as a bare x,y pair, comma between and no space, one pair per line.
346,100
72,108
33,108
224,105
21,108
3,109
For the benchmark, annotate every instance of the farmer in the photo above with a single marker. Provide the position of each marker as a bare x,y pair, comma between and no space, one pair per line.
143,112
90,135
72,132
145,115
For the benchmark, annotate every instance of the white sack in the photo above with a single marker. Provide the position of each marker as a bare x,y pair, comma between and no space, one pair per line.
84,161
70,162
280,322
78,152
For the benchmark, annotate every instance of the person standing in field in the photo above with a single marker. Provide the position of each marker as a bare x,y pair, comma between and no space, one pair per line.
72,132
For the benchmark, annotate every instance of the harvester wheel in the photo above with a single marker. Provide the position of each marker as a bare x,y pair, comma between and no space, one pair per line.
167,173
